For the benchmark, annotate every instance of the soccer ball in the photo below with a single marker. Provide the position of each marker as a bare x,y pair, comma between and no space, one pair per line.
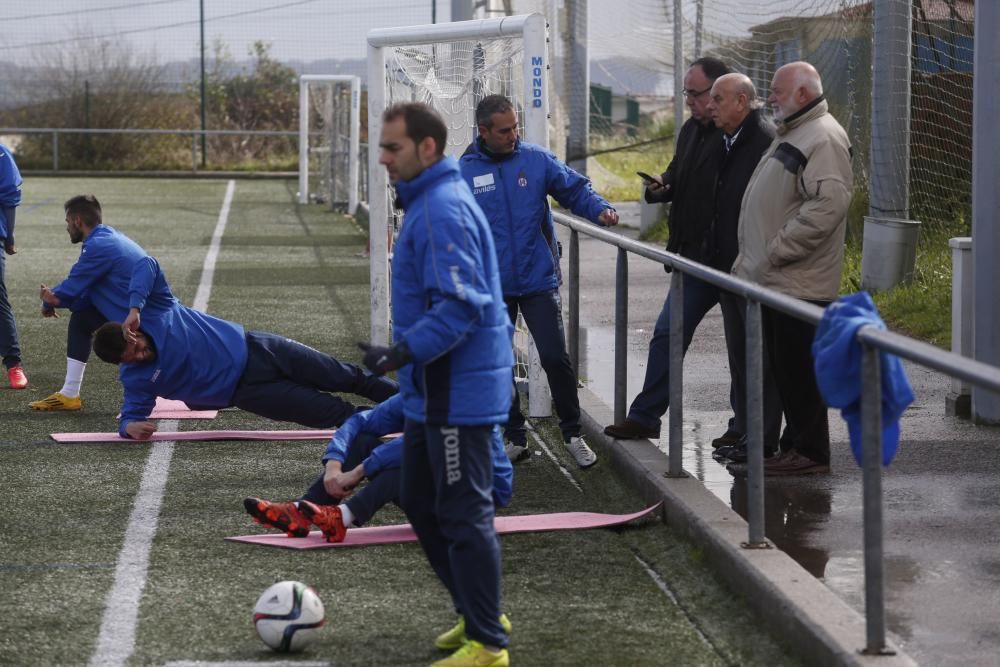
288,616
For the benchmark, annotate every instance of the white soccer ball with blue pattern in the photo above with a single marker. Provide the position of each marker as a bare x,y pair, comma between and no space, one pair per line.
288,616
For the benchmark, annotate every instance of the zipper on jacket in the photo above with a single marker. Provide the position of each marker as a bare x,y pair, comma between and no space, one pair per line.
510,230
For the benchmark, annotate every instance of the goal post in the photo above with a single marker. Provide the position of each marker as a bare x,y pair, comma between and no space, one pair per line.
338,149
521,72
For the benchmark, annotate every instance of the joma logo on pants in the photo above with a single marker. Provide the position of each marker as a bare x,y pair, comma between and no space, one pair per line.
451,460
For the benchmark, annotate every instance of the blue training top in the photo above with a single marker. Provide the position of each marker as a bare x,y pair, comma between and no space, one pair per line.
114,274
447,305
10,189
199,360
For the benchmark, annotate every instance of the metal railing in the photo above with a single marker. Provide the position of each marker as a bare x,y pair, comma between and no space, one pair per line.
872,339
57,132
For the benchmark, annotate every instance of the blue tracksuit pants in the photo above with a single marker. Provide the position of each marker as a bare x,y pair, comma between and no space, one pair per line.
447,494
285,380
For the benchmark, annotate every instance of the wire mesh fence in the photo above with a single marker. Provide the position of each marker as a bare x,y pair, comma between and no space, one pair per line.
113,64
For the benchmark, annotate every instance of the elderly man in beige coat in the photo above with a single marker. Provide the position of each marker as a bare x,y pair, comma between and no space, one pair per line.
791,236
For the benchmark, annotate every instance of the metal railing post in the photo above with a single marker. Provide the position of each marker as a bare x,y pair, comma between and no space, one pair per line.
621,335
573,325
755,427
871,460
675,450
194,151
55,150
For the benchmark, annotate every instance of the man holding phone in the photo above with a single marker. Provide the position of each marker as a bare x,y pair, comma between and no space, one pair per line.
689,184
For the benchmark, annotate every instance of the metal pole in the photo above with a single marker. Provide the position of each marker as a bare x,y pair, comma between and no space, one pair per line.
678,68
890,143
871,461
675,451
985,204
573,326
755,427
462,10
194,151
578,81
379,224
699,26
621,335
204,151
55,151
434,11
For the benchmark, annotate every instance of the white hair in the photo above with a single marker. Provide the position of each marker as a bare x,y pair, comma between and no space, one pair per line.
805,76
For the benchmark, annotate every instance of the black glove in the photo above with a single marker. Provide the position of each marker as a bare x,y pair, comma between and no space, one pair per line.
380,360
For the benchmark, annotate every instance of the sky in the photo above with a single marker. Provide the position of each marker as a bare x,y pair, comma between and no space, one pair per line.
320,29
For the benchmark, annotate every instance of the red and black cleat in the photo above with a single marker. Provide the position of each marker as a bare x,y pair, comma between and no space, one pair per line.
327,518
283,516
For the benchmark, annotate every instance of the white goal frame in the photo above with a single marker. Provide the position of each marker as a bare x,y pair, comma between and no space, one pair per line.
532,30
354,159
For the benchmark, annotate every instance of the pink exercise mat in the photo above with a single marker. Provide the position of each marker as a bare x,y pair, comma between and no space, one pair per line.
401,533
166,408
196,435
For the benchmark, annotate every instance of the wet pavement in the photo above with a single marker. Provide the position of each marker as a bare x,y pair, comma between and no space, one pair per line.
942,493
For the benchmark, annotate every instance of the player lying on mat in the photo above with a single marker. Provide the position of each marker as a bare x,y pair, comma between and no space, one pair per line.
211,363
355,453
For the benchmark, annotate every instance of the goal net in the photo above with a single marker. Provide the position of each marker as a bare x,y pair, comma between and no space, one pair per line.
451,67
329,140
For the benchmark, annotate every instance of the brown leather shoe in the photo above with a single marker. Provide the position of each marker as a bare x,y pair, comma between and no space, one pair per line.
793,463
631,430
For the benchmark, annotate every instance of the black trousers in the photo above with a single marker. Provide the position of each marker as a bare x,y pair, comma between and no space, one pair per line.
789,344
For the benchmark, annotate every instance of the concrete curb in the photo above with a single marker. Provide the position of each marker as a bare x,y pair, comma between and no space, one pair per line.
816,624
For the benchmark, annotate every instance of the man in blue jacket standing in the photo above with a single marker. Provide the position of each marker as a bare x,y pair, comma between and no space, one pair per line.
208,362
10,197
114,279
512,181
451,345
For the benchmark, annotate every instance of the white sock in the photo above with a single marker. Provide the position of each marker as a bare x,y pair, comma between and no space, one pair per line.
347,515
74,378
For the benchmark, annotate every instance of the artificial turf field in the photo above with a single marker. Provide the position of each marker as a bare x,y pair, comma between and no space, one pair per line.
632,596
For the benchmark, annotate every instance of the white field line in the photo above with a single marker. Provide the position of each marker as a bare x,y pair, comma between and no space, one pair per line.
121,611
208,268
662,585
116,641
541,444
245,663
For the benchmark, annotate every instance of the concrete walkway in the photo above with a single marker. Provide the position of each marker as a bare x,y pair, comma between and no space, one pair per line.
942,493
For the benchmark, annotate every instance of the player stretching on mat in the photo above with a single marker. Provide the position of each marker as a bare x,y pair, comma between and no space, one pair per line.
356,453
211,363
99,288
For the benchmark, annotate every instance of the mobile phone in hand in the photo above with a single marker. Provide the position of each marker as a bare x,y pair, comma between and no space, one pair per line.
647,179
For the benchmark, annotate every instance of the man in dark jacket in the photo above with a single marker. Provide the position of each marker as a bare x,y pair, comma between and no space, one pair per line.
718,149
512,181
746,136
689,183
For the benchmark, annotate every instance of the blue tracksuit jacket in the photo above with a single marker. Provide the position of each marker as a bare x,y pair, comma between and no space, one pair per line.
114,274
387,417
10,189
199,359
837,361
513,192
447,305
